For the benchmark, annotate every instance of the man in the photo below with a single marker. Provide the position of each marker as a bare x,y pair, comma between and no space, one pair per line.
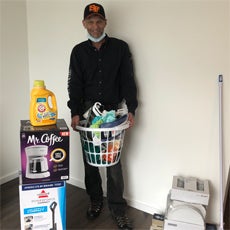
101,70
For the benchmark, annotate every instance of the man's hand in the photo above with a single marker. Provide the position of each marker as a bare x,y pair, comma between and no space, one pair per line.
75,121
131,120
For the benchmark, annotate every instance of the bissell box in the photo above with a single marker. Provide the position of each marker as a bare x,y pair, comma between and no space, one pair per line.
43,206
44,152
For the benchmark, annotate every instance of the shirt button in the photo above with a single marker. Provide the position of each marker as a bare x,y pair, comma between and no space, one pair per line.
99,71
99,59
99,93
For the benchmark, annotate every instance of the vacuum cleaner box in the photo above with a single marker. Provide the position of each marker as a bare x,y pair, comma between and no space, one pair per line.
190,190
44,152
43,206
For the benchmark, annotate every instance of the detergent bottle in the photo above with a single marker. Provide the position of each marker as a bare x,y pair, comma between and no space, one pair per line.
43,106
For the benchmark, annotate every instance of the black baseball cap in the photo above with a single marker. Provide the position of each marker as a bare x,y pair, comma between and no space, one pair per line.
94,9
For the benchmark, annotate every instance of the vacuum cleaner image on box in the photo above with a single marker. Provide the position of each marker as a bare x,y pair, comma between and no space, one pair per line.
52,208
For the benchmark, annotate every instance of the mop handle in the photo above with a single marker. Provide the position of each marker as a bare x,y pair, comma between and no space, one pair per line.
221,150
221,79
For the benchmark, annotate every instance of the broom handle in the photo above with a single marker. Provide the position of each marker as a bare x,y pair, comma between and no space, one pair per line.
221,149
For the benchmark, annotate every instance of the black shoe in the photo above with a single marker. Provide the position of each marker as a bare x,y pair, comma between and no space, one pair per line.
94,209
123,222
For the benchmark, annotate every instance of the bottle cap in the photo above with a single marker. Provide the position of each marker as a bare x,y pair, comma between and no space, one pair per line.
39,83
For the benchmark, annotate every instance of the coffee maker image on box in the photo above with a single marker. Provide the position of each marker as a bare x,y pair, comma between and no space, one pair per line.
36,162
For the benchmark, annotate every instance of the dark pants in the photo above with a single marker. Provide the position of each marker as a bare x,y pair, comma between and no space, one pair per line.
115,186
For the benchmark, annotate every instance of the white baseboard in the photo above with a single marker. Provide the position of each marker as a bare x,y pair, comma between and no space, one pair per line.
133,203
77,183
143,207
8,177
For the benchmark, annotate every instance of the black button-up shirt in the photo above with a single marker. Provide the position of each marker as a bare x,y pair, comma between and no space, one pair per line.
104,75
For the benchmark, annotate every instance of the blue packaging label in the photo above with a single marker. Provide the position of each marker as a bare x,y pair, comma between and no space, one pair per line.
43,185
35,210
41,99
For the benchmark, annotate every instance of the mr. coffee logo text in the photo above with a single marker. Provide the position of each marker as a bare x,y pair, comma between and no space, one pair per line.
45,139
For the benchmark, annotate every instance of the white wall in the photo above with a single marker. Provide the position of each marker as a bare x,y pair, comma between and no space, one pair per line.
179,48
14,84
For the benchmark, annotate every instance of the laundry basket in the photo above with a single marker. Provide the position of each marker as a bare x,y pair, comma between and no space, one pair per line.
102,146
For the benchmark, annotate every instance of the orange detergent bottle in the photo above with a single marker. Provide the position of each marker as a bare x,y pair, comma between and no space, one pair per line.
43,106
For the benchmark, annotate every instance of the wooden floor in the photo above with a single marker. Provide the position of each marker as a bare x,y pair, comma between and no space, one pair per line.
76,205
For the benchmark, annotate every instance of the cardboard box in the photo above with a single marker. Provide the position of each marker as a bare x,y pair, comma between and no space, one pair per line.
43,206
190,190
44,152
153,227
157,222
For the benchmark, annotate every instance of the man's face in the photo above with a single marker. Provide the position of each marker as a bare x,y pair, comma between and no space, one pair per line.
95,25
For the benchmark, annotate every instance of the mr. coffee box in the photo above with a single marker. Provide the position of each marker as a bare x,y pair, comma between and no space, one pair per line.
43,206
44,152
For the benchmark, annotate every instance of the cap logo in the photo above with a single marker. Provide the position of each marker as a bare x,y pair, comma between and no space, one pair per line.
94,8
